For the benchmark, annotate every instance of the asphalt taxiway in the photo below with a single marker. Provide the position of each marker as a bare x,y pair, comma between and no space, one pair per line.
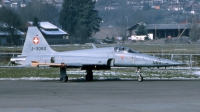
100,96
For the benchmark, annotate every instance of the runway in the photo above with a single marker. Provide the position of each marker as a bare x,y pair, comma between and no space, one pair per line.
100,96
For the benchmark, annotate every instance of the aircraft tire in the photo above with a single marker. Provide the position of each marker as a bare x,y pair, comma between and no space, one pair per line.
140,78
89,77
64,79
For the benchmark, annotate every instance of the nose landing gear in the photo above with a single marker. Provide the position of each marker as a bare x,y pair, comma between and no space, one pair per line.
140,77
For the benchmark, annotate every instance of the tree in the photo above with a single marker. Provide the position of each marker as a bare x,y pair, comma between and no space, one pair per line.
10,22
42,10
194,32
113,39
36,22
79,18
68,16
141,29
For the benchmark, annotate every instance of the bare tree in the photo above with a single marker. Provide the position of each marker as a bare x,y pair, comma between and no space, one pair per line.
122,29
10,22
36,22
42,10
194,32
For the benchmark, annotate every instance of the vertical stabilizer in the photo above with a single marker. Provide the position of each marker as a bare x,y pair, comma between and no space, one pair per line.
35,43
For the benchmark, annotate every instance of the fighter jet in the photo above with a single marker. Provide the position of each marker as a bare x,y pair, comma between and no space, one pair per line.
37,52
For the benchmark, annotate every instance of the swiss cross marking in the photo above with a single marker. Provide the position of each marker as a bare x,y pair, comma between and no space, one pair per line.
36,40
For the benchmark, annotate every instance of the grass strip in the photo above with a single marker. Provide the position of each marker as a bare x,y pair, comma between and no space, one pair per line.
77,73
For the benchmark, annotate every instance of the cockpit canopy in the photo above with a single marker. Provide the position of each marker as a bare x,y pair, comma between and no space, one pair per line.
124,49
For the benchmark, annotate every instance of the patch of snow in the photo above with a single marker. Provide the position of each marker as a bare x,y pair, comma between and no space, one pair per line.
197,73
100,78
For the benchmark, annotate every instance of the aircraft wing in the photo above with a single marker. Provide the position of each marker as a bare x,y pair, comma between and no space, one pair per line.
69,65
77,62
36,64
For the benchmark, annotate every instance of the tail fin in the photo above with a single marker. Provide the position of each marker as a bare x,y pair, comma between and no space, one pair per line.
35,43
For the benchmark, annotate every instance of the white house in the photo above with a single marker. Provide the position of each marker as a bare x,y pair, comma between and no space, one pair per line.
140,37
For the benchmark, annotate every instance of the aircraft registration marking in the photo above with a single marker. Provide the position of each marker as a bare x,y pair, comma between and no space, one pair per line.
39,48
36,40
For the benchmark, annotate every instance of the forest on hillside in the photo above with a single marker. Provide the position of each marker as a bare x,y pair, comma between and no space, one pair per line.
119,19
115,22
148,15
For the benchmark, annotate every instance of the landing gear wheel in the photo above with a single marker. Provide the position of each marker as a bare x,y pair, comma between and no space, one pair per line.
63,74
89,76
64,79
138,71
140,78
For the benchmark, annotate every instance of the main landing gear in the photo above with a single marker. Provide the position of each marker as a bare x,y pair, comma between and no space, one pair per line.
63,74
138,71
89,75
64,77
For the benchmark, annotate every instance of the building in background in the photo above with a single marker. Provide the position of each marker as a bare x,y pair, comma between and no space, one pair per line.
163,30
18,39
52,33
